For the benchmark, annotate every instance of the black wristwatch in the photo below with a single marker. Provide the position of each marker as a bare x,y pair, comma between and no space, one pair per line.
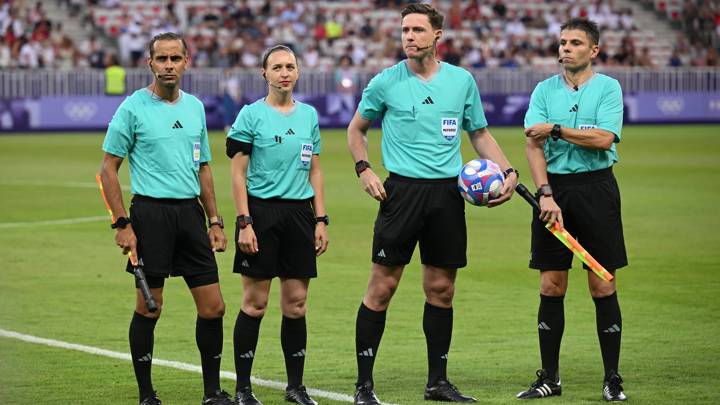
544,191
243,221
361,166
324,218
121,223
511,170
218,220
556,132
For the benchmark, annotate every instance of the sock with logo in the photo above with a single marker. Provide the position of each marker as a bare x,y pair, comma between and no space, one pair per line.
369,329
609,329
437,325
141,336
245,339
293,338
209,339
551,325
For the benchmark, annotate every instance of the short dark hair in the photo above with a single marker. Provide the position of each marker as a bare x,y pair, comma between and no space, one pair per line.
274,49
436,19
582,24
166,36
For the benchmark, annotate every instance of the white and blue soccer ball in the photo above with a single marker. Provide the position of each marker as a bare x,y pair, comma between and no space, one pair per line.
480,181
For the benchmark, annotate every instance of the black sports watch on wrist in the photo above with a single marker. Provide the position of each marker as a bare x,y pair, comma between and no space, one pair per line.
218,220
361,166
544,191
511,170
243,221
121,223
325,219
556,132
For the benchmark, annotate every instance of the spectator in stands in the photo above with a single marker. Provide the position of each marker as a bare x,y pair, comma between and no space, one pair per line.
347,80
675,60
5,54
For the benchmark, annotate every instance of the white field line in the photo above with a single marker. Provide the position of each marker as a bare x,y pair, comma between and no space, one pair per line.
67,221
40,183
165,363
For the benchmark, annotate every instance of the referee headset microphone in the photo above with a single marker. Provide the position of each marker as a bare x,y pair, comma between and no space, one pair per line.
432,44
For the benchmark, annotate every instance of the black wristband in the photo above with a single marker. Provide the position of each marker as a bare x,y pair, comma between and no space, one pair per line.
121,223
511,170
361,166
324,219
556,132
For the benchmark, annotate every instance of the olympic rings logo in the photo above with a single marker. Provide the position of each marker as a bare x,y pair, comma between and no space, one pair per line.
80,111
671,105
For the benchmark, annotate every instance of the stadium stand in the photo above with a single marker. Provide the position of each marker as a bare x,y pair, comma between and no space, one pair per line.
478,33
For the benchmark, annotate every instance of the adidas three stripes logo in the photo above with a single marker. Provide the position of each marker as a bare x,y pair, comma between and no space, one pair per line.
177,125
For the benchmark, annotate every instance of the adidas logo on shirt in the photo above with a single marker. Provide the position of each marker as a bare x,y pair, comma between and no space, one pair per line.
381,253
612,329
574,108
146,358
290,132
543,326
428,100
366,353
248,355
177,125
301,353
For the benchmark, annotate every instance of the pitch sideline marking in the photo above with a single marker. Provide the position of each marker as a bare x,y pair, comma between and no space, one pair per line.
67,221
69,184
166,363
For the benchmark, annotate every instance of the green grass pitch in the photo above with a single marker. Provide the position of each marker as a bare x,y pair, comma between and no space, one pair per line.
66,282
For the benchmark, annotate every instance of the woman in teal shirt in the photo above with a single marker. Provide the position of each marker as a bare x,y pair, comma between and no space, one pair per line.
282,224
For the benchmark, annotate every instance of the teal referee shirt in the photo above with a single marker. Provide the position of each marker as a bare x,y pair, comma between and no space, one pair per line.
598,103
283,145
165,143
422,119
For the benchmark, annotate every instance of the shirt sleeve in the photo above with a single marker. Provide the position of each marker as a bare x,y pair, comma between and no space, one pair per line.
537,110
610,111
317,144
120,135
474,114
242,129
372,104
205,154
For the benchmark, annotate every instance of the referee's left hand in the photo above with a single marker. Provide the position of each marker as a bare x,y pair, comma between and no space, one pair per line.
506,191
218,241
321,238
539,132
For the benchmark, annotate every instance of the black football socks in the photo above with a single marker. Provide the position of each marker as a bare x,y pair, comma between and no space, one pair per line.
245,339
209,338
551,324
437,325
369,328
609,330
141,336
293,338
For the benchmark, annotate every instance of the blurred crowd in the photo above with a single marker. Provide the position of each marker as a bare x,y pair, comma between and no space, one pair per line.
363,33
30,39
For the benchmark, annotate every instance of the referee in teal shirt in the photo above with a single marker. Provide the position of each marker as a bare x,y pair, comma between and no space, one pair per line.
162,131
282,224
572,126
424,105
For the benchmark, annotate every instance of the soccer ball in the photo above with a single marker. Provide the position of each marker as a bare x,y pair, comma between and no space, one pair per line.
480,181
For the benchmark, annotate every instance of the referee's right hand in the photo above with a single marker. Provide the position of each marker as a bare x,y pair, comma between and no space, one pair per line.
372,185
126,240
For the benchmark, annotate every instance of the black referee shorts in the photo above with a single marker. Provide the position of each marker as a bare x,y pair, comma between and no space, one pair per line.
590,204
172,240
430,211
285,232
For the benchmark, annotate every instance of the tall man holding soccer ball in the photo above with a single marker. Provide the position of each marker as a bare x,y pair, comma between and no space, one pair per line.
572,125
419,201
